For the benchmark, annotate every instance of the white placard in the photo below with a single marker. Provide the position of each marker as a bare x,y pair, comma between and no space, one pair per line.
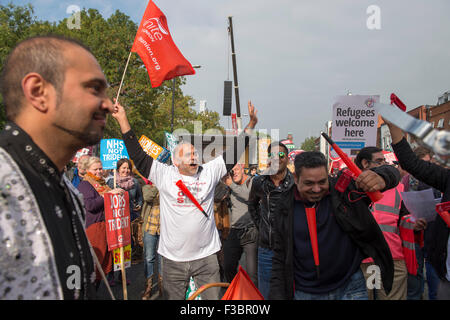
355,123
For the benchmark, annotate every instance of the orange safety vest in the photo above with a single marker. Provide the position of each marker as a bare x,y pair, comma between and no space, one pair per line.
399,236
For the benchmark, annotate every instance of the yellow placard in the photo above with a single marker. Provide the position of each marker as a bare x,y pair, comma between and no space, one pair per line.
150,147
263,158
126,254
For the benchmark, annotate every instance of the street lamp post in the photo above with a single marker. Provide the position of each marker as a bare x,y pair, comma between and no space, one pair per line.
173,97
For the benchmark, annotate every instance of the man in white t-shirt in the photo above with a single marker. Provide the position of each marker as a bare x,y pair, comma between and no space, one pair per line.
188,241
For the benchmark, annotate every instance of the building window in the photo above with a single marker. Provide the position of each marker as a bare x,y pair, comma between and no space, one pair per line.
440,123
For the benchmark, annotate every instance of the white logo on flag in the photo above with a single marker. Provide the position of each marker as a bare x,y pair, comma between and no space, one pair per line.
154,29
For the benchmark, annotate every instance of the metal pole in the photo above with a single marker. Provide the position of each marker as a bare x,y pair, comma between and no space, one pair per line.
236,85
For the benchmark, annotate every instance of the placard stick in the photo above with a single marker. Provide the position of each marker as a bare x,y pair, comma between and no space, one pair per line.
124,277
123,76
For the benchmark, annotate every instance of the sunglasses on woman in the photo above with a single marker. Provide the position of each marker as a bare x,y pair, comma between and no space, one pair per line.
280,155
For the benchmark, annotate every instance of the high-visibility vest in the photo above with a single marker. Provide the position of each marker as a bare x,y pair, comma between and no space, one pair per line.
406,229
399,236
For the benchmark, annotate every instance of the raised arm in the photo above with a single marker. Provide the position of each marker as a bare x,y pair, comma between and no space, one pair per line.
245,135
425,171
142,161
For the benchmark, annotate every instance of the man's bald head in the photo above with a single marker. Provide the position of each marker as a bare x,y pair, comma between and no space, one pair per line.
43,55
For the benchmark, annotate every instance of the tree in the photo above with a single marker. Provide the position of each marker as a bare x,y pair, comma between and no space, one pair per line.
110,41
309,144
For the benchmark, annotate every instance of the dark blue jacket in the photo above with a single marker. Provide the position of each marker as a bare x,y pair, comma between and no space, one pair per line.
76,178
353,217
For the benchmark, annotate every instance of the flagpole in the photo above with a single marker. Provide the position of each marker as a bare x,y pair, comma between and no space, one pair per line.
123,77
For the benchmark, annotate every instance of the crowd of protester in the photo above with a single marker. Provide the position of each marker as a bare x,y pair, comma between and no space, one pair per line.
299,232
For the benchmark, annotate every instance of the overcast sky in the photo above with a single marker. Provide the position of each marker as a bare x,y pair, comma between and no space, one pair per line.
295,56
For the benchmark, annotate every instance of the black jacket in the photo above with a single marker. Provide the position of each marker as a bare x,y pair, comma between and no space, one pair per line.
266,201
353,216
436,177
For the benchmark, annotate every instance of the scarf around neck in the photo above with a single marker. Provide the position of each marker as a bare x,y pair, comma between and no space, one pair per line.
99,184
125,183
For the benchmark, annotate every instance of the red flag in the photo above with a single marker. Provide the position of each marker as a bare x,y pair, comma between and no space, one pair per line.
242,288
155,46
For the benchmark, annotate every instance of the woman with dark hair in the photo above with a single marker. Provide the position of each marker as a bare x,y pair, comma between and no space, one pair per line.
126,181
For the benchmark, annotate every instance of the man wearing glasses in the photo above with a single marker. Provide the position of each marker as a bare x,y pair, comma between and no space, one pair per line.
268,197
394,221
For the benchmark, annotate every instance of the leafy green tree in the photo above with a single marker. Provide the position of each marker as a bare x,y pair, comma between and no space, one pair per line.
309,144
111,40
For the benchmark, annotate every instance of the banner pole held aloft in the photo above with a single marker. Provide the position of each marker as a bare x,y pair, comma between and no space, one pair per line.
123,77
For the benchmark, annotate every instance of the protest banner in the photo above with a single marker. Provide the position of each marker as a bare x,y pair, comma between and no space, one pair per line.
289,144
81,152
111,151
263,158
153,149
117,219
118,231
172,142
126,255
389,156
294,153
355,122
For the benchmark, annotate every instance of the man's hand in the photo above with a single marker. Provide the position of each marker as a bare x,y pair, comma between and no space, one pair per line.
117,191
369,181
228,180
120,115
420,224
253,118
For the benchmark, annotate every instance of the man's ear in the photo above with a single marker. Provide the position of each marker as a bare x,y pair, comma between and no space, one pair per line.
364,163
36,91
296,179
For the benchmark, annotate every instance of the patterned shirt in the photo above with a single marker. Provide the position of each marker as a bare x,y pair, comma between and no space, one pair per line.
152,224
151,209
44,252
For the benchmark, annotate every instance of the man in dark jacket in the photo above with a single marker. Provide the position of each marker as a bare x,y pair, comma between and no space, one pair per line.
439,178
346,233
268,198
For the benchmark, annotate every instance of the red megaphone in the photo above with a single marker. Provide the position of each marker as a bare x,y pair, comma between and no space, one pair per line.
188,194
396,100
374,196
